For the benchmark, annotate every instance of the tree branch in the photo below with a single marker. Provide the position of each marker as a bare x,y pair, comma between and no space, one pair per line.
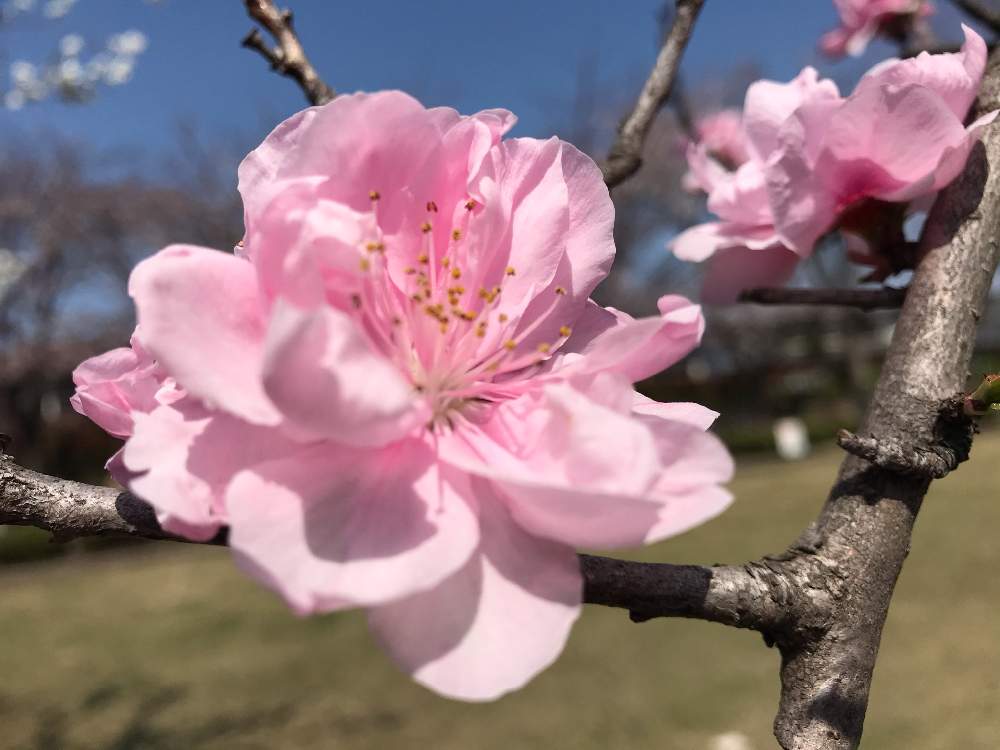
981,12
863,299
288,58
866,523
625,156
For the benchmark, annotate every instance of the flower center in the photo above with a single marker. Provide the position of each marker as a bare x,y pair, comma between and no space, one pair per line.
437,309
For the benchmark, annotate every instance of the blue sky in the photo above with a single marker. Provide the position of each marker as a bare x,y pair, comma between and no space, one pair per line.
521,54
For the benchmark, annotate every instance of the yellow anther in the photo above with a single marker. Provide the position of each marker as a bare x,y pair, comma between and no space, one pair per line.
445,262
417,297
423,258
456,234
503,317
565,330
544,348
457,289
510,271
425,227
509,344
456,273
365,264
468,315
560,290
470,204
481,329
409,270
373,195
444,326
432,206
374,247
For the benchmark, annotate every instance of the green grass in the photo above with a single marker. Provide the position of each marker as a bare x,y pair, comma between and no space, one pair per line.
167,647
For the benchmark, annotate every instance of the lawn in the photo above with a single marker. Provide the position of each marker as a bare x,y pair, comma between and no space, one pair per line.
167,647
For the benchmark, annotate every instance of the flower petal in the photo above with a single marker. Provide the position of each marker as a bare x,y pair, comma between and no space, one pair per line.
331,526
322,373
493,625
201,319
606,340
734,269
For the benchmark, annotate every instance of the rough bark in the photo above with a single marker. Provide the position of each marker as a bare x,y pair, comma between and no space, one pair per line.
865,526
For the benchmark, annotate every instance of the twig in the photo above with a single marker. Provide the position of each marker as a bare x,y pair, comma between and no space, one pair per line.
625,156
863,299
981,12
934,462
288,58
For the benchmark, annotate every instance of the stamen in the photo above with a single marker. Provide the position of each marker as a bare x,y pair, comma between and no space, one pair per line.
470,204
510,271
432,207
456,234
565,331
373,195
426,227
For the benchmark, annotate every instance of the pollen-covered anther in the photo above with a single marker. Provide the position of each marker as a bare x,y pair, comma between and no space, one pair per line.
423,258
445,262
503,317
373,195
375,247
456,234
409,270
456,273
509,344
510,271
565,331
426,227
470,204
432,207
560,290
544,347
365,264
481,329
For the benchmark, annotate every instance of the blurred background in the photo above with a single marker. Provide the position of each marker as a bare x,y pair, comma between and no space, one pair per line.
121,125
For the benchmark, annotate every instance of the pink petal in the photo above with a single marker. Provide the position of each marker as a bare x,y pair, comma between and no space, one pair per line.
610,340
734,269
496,623
201,319
694,464
741,198
110,386
322,373
955,77
769,104
702,241
332,525
677,411
571,470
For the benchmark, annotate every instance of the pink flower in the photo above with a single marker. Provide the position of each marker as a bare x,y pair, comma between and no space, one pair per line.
816,158
720,139
745,247
398,396
861,20
898,137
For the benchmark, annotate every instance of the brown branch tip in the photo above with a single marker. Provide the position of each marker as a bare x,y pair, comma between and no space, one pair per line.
288,58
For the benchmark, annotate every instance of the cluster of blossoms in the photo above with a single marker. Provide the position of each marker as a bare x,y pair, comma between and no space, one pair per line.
862,20
815,161
72,78
397,394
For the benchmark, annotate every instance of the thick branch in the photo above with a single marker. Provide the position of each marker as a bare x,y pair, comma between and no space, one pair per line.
981,12
866,523
772,596
863,299
625,156
71,509
288,57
